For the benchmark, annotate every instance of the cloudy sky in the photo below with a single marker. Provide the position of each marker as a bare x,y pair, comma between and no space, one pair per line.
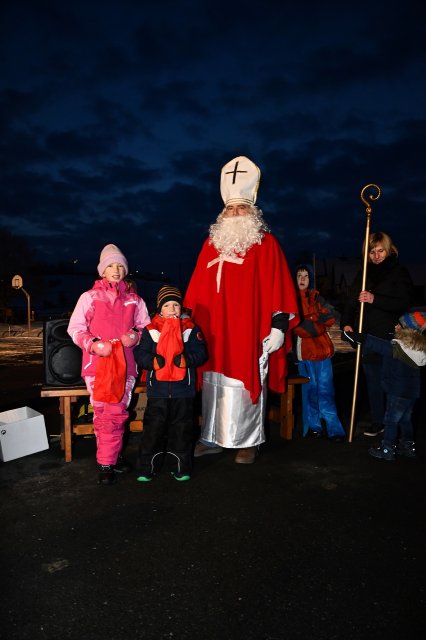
117,117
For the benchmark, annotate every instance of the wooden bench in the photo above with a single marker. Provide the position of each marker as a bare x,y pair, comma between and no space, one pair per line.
67,397
281,413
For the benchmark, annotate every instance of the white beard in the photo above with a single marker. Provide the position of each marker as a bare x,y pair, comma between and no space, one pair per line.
235,235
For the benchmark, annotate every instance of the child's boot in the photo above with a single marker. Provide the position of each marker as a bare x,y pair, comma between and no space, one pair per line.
145,477
181,477
383,452
406,448
122,465
106,474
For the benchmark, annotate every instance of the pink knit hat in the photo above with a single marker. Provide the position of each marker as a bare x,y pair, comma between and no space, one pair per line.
110,254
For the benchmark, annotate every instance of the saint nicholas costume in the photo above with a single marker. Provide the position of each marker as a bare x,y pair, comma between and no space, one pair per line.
234,299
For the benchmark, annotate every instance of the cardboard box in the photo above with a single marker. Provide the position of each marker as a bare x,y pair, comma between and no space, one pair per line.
22,432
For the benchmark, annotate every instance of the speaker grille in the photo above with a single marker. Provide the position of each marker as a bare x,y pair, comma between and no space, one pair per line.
62,358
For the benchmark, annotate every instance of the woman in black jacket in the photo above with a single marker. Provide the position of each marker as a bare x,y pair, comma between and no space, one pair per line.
387,295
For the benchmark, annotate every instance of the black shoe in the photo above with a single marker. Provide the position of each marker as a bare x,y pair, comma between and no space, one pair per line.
406,448
354,338
122,465
337,438
106,474
383,452
314,433
374,429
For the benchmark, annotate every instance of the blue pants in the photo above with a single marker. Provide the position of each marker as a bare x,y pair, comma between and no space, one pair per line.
397,420
376,394
318,398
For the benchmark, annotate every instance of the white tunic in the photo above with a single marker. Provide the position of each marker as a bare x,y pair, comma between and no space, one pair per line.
230,419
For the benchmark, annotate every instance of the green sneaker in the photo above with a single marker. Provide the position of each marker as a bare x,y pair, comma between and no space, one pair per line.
181,477
145,477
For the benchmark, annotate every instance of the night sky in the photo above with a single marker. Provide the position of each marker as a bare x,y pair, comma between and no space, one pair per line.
118,116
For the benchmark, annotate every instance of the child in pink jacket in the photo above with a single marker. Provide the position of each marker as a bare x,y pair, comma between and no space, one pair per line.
107,323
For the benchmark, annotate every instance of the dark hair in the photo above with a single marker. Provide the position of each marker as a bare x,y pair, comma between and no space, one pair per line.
309,269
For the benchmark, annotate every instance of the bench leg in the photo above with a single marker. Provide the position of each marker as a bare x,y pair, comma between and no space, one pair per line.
66,437
286,413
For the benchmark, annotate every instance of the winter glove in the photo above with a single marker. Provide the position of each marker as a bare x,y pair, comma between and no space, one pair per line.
345,338
100,348
158,362
280,321
130,339
183,360
325,317
180,361
274,341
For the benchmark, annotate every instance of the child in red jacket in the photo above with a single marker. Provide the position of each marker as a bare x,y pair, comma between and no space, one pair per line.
314,349
170,349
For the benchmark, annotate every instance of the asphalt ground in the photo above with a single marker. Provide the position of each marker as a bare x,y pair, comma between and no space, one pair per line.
315,540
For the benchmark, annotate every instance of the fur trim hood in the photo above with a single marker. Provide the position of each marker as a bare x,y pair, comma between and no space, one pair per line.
413,344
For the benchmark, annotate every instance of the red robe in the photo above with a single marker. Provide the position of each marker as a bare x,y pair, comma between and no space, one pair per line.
236,319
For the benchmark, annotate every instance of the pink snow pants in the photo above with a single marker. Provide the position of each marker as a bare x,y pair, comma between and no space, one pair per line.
108,422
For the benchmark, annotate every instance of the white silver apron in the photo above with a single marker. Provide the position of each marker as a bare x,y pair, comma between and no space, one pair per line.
230,419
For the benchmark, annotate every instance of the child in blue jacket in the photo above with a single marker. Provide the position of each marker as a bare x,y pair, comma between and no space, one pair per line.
170,349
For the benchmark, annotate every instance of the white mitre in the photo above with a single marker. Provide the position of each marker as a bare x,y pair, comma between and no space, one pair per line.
239,181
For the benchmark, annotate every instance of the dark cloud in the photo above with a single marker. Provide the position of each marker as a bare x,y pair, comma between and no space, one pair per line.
17,105
77,144
117,117
174,97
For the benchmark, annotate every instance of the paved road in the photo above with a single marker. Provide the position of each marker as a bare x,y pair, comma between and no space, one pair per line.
315,540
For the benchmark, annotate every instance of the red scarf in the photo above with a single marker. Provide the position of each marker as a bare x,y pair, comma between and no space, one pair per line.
170,345
110,379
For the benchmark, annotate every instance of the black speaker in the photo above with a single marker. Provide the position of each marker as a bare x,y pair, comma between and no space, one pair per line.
62,358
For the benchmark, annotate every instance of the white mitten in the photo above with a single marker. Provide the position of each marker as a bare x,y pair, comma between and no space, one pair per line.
274,341
103,349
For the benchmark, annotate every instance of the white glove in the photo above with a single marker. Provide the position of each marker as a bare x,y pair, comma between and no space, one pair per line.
274,341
